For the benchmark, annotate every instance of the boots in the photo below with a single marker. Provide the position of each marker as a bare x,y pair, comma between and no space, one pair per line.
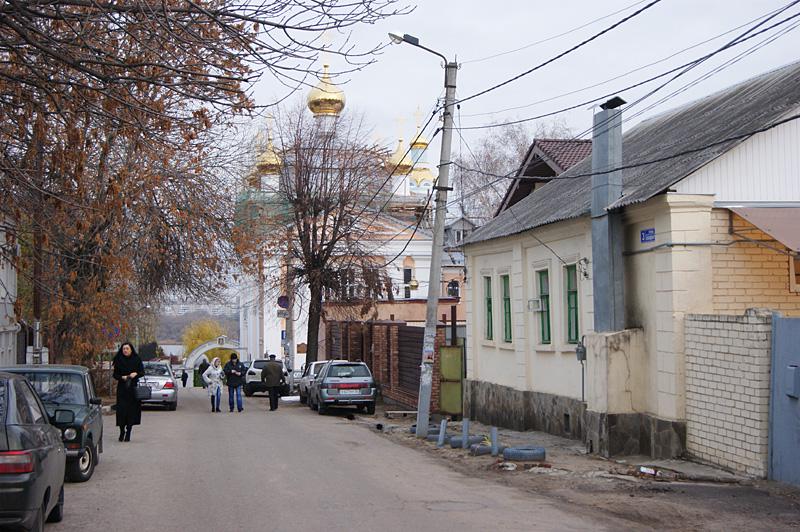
213,405
128,430
121,433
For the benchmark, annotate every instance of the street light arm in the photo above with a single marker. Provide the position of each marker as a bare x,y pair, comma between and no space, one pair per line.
413,41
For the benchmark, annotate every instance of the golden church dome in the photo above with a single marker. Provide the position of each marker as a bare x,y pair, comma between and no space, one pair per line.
269,162
421,175
400,160
419,142
326,98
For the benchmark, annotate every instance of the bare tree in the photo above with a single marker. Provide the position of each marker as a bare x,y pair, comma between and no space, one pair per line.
314,212
499,152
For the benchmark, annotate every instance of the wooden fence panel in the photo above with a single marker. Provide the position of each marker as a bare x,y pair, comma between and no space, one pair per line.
410,341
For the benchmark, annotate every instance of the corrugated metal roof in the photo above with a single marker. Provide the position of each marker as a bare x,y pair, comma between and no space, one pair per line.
744,107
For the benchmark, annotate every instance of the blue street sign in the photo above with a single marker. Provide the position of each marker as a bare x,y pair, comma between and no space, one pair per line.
647,235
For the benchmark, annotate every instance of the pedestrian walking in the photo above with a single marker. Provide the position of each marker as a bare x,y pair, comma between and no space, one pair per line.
213,379
272,377
202,369
184,378
234,376
128,369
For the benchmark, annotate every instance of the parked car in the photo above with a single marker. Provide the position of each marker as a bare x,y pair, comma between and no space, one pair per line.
308,376
163,384
252,379
343,383
32,458
62,387
296,376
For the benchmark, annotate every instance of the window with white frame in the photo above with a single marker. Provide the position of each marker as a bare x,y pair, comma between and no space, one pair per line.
487,308
571,302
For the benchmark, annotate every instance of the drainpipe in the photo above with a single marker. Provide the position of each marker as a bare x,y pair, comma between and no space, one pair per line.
607,230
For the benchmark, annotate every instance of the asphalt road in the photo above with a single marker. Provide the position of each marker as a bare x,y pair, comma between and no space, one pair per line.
289,470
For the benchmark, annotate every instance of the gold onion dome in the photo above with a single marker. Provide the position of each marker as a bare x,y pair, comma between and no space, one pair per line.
420,175
326,98
269,162
400,160
419,140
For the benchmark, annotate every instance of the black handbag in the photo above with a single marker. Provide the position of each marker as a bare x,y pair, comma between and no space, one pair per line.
143,392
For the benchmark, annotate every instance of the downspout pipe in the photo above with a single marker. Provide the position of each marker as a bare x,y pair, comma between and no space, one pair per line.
607,228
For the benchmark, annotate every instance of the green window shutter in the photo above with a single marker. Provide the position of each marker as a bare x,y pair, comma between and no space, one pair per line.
544,297
487,308
506,308
572,304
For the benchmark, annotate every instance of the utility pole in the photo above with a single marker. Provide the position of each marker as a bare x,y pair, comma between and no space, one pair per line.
434,279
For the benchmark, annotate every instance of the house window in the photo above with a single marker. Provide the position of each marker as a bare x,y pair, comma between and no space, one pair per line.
407,292
506,282
571,286
459,236
794,273
487,308
406,275
452,288
543,279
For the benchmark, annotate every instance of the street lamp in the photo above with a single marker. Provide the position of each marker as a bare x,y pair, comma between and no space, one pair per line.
440,212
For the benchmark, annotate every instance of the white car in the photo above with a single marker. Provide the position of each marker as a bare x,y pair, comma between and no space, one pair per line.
252,379
309,374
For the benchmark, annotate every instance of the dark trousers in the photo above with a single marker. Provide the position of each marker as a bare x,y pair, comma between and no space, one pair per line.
273,397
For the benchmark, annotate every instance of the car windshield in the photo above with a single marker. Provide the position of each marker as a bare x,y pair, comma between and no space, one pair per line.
259,364
59,388
348,370
156,370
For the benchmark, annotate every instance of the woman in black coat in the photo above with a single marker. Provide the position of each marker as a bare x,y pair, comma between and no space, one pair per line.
128,369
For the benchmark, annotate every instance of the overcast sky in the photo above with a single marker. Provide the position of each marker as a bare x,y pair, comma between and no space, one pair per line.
405,78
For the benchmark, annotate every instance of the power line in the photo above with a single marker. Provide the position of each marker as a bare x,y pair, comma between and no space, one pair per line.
562,54
742,39
629,72
527,46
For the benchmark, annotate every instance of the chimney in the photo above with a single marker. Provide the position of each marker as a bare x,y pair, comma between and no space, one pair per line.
607,230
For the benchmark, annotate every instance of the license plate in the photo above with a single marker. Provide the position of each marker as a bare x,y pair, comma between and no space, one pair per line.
349,392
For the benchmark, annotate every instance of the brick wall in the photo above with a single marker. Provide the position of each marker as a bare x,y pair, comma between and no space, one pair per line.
384,359
727,390
748,275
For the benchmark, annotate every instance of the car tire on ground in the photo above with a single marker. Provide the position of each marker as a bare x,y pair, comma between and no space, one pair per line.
248,392
303,399
57,513
322,409
524,453
312,404
81,469
172,407
371,408
38,524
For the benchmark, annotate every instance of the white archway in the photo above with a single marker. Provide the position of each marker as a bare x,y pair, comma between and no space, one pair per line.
198,354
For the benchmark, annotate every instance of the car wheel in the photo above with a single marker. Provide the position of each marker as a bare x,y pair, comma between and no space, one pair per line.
57,513
248,392
81,470
371,408
360,408
172,407
322,409
303,399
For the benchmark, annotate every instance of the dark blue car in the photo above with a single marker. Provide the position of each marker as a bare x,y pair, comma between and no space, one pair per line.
32,458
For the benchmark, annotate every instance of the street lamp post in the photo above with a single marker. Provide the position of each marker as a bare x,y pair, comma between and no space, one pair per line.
434,280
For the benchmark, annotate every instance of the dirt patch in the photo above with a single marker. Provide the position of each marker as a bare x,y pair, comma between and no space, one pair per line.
594,485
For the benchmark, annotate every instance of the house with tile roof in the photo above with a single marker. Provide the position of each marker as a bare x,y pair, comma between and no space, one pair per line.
709,209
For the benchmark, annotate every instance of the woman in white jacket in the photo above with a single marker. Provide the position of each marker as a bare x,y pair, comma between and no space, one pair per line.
213,378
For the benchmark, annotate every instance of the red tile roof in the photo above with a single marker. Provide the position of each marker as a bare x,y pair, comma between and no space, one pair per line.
565,153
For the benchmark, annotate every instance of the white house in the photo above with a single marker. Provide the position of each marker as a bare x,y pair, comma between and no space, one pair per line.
710,207
8,296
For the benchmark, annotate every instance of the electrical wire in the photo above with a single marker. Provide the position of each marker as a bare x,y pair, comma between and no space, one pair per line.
562,54
573,30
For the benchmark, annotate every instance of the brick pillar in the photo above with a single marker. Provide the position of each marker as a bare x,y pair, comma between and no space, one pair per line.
394,358
437,369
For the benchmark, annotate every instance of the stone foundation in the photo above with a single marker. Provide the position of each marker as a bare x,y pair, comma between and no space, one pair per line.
501,406
628,434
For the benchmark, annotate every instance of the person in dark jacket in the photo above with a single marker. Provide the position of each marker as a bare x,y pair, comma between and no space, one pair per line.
234,375
184,378
272,377
128,369
202,369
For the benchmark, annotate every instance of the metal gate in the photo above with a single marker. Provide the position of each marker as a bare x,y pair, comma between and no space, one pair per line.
452,373
409,352
784,423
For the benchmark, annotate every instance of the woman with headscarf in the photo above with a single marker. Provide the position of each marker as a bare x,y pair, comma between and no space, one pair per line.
128,369
213,378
